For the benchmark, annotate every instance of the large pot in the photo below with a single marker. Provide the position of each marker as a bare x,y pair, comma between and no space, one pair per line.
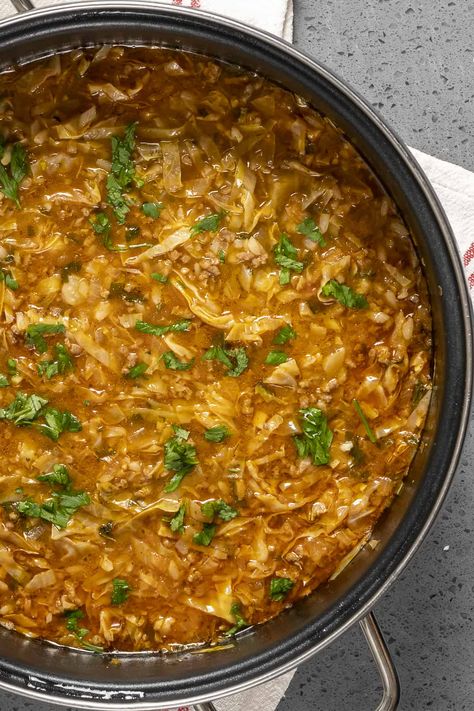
152,681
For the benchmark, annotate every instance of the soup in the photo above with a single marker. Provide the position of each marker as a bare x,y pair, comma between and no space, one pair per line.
216,350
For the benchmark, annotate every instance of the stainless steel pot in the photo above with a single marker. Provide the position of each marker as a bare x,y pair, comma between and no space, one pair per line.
151,681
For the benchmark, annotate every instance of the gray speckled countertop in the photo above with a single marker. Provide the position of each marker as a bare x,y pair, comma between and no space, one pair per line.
414,60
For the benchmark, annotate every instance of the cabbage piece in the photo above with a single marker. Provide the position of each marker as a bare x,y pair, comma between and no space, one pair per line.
284,375
216,603
171,166
202,305
169,243
250,329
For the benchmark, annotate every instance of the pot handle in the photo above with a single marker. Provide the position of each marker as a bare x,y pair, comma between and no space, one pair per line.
22,5
382,658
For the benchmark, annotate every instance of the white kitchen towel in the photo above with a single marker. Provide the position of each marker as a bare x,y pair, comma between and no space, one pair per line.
453,184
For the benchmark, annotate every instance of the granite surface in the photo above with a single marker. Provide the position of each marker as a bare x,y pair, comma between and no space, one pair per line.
414,62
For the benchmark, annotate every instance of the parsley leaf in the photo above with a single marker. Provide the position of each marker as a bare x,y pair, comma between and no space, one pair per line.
364,421
285,256
217,434
23,409
152,209
120,591
58,510
211,223
205,536
240,621
119,291
11,366
344,294
180,458
71,268
4,382
276,358
137,371
10,282
316,438
155,330
159,277
309,228
221,256
219,508
72,625
177,522
284,334
59,365
57,422
181,432
279,588
36,332
11,176
122,173
59,476
235,359
173,363
101,226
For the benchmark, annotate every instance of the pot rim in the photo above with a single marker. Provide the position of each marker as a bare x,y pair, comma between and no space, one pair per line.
36,688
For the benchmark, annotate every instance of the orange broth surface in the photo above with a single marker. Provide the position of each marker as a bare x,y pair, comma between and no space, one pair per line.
216,349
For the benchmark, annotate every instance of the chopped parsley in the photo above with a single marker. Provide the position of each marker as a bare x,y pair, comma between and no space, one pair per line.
155,330
344,294
218,508
122,174
235,359
57,422
12,175
284,334
71,268
211,223
137,371
240,621
12,366
101,226
316,439
180,458
72,625
36,332
152,209
106,529
364,421
309,228
62,505
276,358
173,363
181,432
23,409
120,591
118,290
279,588
159,277
418,391
4,382
285,254
205,536
221,256
59,476
59,365
217,434
177,521
6,276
